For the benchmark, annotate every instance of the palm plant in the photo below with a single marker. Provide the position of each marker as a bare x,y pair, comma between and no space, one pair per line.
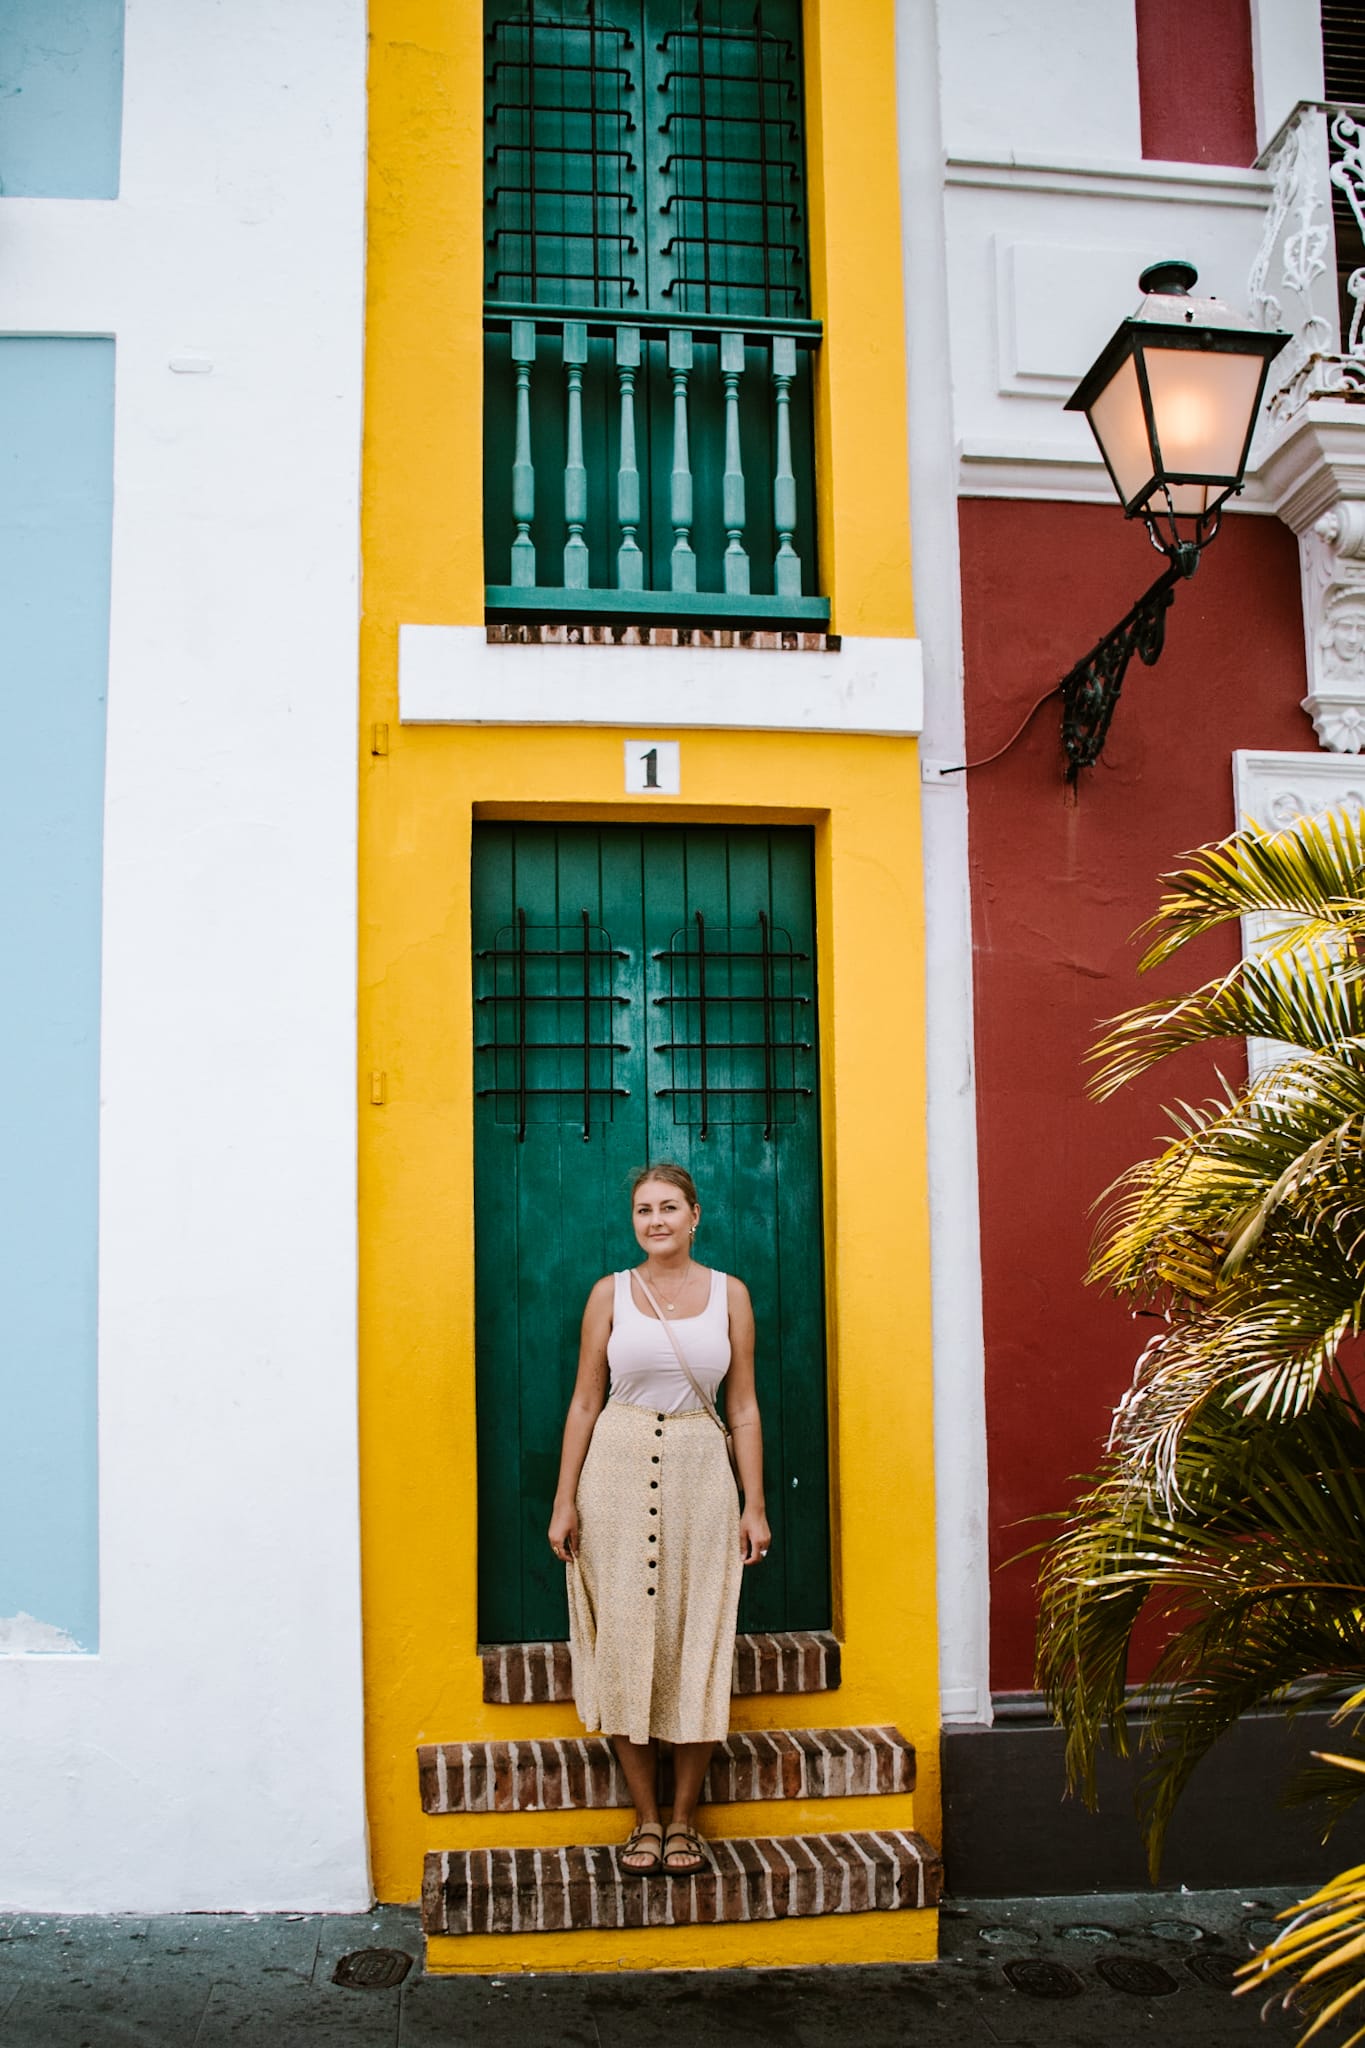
1229,1513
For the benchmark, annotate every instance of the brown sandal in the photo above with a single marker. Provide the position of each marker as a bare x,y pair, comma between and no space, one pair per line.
637,1843
692,1848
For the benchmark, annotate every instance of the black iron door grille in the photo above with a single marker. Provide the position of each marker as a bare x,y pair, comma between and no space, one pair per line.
734,1012
549,1006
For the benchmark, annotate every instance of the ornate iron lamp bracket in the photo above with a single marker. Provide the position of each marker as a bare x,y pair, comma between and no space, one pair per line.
1090,691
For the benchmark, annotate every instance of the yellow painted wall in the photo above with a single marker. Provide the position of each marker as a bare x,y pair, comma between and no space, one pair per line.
423,564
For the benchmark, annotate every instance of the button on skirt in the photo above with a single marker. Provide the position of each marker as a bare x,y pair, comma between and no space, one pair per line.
654,1591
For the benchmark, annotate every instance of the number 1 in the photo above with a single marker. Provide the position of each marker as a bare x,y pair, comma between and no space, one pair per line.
651,761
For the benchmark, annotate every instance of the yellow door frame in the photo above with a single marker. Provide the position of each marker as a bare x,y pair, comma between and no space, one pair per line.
419,1478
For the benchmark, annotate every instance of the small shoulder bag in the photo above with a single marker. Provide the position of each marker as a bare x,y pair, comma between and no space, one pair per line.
707,1403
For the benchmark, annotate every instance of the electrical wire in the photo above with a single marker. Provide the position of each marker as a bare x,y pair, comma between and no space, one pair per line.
1018,733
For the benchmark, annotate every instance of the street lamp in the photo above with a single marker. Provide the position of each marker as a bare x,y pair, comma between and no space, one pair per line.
1172,399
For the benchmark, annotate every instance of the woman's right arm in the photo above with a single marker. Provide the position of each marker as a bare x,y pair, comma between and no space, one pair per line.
589,1399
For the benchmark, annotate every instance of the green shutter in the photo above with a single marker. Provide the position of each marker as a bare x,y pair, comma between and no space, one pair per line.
647,157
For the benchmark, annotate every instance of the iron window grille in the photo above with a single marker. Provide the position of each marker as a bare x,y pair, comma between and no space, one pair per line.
548,1003
735,1014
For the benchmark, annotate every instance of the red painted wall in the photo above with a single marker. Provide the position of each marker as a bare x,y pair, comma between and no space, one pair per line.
1195,81
1058,887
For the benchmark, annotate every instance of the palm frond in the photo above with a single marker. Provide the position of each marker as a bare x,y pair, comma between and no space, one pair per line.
1312,874
1323,1945
1295,998
1294,1136
1255,1581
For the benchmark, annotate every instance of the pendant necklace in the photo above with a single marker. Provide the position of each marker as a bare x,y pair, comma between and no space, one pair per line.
671,1305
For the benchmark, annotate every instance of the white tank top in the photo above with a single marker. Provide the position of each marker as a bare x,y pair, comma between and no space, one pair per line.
644,1366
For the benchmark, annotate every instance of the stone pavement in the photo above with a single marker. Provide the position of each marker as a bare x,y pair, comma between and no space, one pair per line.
1092,1972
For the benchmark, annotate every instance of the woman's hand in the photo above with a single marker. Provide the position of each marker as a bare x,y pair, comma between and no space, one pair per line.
754,1537
564,1531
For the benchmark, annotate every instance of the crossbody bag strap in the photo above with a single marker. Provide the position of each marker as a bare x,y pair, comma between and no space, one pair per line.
707,1403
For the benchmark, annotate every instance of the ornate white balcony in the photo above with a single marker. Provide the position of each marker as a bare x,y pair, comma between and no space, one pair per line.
1309,277
1308,274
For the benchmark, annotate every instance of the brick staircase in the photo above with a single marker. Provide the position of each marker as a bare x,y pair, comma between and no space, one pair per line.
827,1865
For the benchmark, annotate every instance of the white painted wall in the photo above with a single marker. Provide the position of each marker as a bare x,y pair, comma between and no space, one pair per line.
211,1754
1286,41
1038,76
959,1354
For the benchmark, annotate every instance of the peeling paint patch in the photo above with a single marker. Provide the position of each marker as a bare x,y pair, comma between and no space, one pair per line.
25,1635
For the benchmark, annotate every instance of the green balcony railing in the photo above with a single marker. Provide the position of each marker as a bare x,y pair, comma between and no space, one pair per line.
650,467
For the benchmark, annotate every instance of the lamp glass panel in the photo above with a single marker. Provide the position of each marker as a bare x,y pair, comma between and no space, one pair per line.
1119,425
1191,498
1202,406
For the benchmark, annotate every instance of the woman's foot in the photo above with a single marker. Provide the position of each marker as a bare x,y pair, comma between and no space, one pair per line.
640,1852
684,1855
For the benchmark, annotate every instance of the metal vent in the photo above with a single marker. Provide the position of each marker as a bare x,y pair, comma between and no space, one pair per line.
1343,50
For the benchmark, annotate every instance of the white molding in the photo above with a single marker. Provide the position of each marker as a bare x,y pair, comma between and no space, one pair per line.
961,1481
450,675
1314,460
1314,471
1190,184
1273,790
1037,469
1038,354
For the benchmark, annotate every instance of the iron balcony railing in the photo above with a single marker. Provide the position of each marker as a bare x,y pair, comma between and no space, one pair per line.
650,467
1309,273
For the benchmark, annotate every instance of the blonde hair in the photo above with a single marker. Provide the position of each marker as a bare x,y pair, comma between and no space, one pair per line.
674,1175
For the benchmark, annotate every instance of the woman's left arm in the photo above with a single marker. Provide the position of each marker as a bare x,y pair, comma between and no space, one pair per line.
741,1412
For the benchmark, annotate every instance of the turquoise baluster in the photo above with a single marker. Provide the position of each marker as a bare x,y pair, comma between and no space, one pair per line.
523,470
575,474
787,564
630,563
683,564
732,482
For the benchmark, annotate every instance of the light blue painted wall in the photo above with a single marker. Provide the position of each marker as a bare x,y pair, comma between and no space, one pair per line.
56,507
61,98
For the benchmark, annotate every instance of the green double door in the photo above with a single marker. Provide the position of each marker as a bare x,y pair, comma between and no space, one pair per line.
642,994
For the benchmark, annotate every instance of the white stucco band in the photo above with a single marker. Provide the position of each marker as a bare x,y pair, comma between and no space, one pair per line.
450,675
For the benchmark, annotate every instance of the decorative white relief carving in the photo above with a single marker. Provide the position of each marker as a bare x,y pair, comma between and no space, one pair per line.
1332,557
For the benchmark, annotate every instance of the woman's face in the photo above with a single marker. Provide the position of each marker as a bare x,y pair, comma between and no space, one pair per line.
664,1218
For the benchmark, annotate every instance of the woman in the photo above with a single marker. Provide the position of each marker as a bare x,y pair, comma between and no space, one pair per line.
646,1516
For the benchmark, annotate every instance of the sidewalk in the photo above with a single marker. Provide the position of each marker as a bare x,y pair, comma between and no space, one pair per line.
1052,1973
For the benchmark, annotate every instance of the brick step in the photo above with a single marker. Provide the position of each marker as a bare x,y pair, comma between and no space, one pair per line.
552,1774
780,1877
520,1674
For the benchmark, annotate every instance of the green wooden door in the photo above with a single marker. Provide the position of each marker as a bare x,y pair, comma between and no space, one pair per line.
642,994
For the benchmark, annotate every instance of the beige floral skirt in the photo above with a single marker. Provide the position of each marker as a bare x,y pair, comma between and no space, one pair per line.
654,1591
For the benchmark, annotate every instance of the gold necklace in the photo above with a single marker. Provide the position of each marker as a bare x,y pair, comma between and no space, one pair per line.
691,1269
